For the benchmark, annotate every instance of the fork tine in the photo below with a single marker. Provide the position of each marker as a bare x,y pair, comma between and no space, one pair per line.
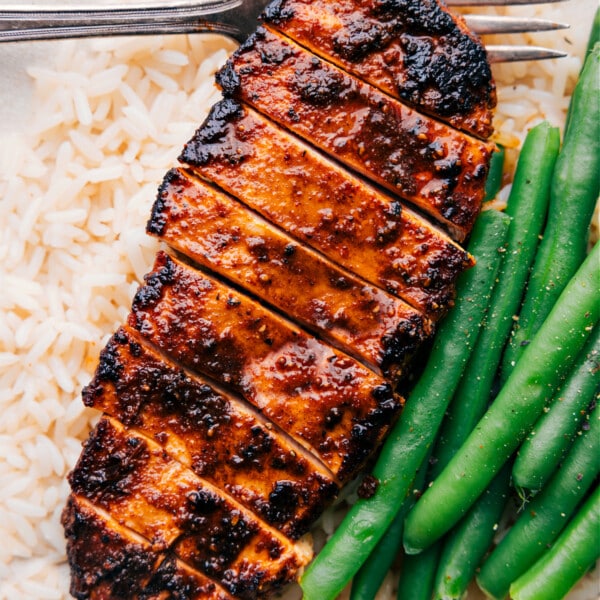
483,24
498,2
501,53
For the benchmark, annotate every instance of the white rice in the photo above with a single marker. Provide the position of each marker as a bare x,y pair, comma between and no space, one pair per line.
79,168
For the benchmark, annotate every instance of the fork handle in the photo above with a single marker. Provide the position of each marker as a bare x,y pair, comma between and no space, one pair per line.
27,22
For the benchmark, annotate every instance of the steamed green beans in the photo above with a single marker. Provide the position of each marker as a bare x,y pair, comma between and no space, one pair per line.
527,205
513,413
465,546
574,191
467,543
417,574
553,433
371,575
545,516
568,559
493,182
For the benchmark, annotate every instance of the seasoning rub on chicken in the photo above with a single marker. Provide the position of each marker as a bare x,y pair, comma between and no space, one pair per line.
311,237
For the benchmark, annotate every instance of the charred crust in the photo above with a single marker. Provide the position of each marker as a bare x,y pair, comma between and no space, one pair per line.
319,86
164,274
400,346
289,251
423,16
119,570
110,367
276,12
102,468
383,393
207,144
368,487
228,79
159,215
283,500
334,417
365,433
180,583
459,74
204,502
359,39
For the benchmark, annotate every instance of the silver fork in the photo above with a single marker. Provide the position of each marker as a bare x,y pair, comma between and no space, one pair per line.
234,18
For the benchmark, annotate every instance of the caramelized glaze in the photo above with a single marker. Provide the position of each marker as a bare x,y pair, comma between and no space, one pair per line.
212,432
222,235
133,478
439,169
326,207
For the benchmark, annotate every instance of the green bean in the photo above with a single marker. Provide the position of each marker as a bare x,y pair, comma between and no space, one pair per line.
416,580
527,206
513,413
574,191
468,542
411,438
528,200
542,450
567,561
371,575
493,183
594,36
417,574
545,516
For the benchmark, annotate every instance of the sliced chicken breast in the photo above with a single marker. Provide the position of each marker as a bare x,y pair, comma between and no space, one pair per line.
224,236
434,166
111,562
324,206
326,400
416,51
134,480
211,431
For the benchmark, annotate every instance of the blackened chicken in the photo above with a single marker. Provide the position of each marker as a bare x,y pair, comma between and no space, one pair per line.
311,237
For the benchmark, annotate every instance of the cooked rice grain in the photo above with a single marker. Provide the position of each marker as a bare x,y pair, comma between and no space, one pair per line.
76,188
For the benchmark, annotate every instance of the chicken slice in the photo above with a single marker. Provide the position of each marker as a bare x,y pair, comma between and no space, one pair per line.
324,399
110,562
415,50
134,480
175,580
212,432
324,206
439,169
219,233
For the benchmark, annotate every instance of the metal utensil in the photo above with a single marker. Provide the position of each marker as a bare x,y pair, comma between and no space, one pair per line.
234,18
